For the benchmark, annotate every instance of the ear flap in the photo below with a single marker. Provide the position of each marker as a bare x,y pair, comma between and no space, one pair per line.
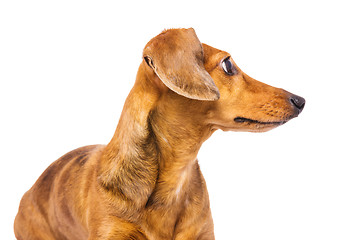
177,58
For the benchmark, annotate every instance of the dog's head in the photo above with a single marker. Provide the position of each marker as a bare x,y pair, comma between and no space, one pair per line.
213,88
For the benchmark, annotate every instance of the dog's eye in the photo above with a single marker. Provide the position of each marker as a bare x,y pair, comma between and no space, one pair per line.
228,66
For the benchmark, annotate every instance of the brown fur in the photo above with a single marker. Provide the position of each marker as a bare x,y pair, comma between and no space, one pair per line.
146,183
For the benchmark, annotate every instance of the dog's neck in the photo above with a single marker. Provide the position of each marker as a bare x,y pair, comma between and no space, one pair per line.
154,148
179,139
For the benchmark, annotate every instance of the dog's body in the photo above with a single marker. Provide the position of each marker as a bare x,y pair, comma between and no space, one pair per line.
146,184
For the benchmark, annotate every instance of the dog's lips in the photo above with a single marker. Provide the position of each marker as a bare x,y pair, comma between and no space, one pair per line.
247,120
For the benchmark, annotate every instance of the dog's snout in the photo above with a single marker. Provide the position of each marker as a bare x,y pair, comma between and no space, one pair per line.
298,102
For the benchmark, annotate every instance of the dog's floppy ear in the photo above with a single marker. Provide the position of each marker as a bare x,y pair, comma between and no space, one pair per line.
177,58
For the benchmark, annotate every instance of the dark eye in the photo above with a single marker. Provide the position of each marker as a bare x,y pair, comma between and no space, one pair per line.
228,66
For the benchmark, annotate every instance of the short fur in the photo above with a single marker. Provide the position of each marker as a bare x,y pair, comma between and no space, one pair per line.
146,183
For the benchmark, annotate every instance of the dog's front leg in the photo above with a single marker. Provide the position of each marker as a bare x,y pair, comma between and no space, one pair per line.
188,235
117,229
203,231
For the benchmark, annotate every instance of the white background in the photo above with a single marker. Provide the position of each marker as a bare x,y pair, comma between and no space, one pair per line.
66,68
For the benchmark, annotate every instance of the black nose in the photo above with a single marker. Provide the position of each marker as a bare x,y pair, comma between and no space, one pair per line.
298,102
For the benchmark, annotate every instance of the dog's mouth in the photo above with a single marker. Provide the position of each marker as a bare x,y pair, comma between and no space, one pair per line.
247,120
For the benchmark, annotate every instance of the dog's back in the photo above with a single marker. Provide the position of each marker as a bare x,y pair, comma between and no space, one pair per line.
49,201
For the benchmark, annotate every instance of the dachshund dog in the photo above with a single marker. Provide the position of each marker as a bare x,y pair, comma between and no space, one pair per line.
146,183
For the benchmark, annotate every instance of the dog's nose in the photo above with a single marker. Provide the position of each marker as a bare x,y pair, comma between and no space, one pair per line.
298,102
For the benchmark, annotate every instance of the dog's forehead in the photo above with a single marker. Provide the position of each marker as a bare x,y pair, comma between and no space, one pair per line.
211,53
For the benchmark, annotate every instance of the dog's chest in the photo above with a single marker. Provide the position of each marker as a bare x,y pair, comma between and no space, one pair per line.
162,223
167,221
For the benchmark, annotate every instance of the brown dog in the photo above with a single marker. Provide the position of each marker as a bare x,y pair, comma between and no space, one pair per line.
146,183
